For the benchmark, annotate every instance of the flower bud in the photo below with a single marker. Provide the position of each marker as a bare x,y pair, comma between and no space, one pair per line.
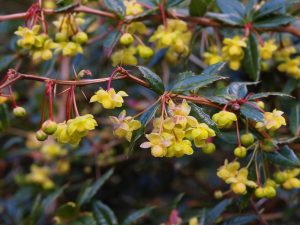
218,194
238,188
261,104
259,192
49,127
209,148
240,152
270,192
280,177
19,111
61,37
224,119
81,37
247,139
126,39
41,136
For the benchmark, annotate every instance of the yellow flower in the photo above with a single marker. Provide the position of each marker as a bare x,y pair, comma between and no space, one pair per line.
224,119
28,36
237,178
124,125
180,148
291,67
40,175
125,56
62,166
212,56
52,151
193,221
109,99
268,49
133,8
68,24
233,51
137,27
201,133
43,52
3,99
284,54
158,143
272,120
69,48
288,178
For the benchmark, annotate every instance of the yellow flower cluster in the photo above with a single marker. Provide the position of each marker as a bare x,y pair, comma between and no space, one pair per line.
272,121
52,151
233,51
39,45
237,177
288,178
69,37
127,55
172,136
40,175
268,191
109,99
212,56
268,49
224,119
133,8
124,125
175,36
75,129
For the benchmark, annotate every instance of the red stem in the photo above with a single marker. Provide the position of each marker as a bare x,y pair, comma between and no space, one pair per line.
43,109
163,14
49,89
238,133
12,97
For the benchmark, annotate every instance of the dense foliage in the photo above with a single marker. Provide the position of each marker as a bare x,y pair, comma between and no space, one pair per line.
150,112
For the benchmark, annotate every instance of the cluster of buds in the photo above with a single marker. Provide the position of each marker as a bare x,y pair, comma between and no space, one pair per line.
175,36
173,135
288,178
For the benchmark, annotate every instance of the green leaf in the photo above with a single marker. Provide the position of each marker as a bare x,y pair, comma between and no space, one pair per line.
283,157
215,69
231,7
274,21
110,41
240,220
154,80
86,219
215,213
295,119
290,85
199,7
89,192
270,7
252,58
250,6
266,94
173,3
202,117
145,118
103,214
66,6
252,112
67,211
239,89
116,6
132,218
231,19
195,82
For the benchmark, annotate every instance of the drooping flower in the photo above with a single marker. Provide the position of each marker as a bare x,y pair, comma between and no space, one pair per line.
224,119
233,51
272,120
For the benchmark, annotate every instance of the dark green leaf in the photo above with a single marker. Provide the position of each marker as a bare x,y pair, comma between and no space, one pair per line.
238,89
215,213
252,58
132,218
173,3
66,7
67,211
270,7
250,6
153,79
103,214
295,119
215,69
195,82
283,157
251,111
290,85
89,192
116,6
199,7
231,19
217,99
4,118
231,7
145,118
274,21
266,94
110,41
202,117
240,220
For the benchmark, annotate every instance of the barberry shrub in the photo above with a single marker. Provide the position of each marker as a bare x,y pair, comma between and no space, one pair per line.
195,103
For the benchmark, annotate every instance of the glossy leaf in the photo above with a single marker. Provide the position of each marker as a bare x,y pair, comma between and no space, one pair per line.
153,79
116,6
216,212
252,112
284,157
267,94
198,7
252,57
295,119
202,117
238,89
231,7
134,217
91,191
231,19
270,7
274,21
240,220
103,214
